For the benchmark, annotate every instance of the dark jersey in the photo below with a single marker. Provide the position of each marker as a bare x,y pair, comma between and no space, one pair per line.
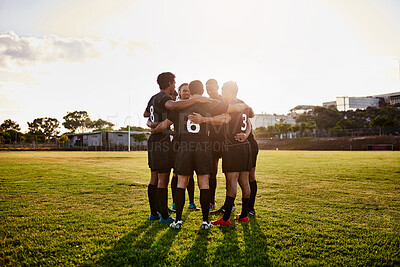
216,132
237,124
185,130
156,108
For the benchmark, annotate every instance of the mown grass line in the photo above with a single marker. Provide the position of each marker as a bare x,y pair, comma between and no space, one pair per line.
91,208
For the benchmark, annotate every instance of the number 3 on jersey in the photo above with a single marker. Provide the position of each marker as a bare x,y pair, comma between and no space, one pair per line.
190,125
244,127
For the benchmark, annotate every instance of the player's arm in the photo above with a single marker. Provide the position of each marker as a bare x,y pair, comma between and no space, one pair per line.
251,113
216,120
151,124
182,104
161,126
243,136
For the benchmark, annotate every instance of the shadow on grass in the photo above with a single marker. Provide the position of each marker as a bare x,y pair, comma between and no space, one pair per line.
144,246
198,252
256,242
228,253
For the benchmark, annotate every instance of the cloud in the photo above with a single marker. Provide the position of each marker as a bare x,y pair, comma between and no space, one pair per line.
26,51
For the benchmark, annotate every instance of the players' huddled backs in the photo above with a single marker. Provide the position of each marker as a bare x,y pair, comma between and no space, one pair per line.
204,130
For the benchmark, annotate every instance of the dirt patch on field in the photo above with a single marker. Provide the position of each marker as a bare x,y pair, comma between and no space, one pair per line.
329,143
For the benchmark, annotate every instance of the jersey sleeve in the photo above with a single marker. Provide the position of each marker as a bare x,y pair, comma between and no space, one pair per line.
148,107
218,108
165,99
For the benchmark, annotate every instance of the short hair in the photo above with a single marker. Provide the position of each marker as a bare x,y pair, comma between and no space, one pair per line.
196,87
164,79
230,87
212,82
182,85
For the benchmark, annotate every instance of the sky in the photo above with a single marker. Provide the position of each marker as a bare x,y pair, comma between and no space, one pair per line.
104,56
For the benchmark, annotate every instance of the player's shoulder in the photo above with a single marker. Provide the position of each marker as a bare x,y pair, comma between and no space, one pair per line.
236,101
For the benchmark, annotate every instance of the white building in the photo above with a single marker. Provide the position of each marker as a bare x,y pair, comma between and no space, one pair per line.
344,103
266,120
103,139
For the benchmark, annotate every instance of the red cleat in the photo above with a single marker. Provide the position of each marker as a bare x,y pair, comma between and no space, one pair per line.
245,219
221,222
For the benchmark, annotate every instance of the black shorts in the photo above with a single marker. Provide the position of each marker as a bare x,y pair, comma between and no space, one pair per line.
193,156
237,158
160,153
254,152
217,147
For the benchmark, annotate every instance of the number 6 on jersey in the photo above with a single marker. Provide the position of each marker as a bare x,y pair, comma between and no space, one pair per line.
190,125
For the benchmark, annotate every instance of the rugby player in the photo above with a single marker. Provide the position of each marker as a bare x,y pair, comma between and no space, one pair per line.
160,157
216,141
252,175
183,93
193,151
236,162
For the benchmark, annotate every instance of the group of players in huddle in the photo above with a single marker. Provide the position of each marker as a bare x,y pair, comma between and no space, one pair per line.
205,129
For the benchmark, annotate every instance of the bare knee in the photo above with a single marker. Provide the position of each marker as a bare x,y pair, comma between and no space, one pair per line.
182,181
203,181
252,175
163,179
154,179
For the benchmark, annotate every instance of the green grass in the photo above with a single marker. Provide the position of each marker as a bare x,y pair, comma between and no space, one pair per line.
91,208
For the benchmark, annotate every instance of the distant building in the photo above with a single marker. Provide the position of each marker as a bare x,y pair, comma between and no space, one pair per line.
266,120
103,139
300,109
344,103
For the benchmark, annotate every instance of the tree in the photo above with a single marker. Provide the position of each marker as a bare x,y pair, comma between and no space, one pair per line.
260,132
326,118
282,127
63,139
382,122
46,126
77,120
134,128
139,137
9,125
100,124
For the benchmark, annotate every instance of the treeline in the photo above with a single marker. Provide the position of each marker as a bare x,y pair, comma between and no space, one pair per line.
329,122
47,129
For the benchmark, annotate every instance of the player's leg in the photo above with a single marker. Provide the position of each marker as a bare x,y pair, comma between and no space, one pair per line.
152,195
213,181
180,200
252,176
203,183
190,189
174,183
231,189
244,185
253,190
162,194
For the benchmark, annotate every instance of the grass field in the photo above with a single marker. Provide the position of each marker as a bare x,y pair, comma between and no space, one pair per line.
91,208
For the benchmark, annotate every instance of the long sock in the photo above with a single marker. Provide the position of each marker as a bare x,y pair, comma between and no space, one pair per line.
190,189
253,193
205,203
228,207
174,183
162,194
245,203
213,187
180,202
152,194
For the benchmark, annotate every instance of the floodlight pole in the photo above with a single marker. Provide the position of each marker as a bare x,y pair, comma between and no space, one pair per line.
129,126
